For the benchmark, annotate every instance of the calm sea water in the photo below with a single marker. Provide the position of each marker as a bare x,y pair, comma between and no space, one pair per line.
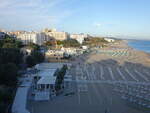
143,45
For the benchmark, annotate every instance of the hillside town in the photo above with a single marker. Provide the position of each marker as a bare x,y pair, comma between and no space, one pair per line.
44,60
41,71
74,56
53,39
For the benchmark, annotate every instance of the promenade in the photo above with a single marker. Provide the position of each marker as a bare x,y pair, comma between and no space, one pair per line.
20,101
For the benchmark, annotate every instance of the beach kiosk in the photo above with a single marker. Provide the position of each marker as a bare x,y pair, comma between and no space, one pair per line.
44,85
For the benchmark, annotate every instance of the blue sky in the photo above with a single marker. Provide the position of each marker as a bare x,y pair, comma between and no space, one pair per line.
122,18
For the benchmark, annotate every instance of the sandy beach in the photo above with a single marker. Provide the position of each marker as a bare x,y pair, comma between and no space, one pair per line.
114,79
118,49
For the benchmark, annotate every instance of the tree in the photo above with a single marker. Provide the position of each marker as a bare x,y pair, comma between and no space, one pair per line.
10,58
95,41
33,46
50,43
70,43
8,75
34,58
9,45
9,42
30,61
60,77
38,56
59,42
10,55
18,44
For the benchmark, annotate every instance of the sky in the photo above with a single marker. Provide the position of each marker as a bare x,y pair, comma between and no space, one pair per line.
120,18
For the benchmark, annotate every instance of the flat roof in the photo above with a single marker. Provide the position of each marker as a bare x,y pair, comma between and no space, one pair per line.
47,72
43,66
47,80
47,76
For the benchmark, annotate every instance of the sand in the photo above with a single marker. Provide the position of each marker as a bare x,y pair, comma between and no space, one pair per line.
134,56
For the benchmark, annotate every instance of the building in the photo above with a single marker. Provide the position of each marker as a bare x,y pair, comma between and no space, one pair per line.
15,33
54,54
69,51
33,37
43,85
27,38
109,39
2,35
79,37
57,35
26,51
84,47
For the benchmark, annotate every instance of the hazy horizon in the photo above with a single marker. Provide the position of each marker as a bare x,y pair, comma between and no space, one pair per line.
116,18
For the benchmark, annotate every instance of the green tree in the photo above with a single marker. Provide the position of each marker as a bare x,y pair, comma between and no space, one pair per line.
70,43
50,43
95,41
59,42
34,58
9,42
9,45
8,74
38,56
30,61
33,46
10,55
60,77
18,44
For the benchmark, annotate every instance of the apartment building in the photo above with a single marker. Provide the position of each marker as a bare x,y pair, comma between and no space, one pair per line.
33,37
79,37
57,35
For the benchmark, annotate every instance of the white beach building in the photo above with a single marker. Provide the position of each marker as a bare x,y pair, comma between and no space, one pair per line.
43,85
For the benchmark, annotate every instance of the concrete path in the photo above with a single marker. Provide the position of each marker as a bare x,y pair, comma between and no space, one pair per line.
19,104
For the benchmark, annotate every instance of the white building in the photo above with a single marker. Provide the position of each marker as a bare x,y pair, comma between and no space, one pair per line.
43,85
54,53
84,47
109,39
69,51
2,35
32,37
79,37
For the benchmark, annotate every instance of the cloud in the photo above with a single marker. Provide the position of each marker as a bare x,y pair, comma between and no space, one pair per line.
27,13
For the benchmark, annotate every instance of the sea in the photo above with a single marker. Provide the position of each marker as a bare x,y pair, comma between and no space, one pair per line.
143,45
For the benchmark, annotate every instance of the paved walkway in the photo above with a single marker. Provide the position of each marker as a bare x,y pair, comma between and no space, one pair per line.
19,104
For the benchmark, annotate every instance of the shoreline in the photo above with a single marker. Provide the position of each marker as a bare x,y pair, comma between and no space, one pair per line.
136,48
132,48
121,52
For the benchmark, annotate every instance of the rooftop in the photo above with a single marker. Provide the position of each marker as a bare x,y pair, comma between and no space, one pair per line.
47,80
45,66
47,76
